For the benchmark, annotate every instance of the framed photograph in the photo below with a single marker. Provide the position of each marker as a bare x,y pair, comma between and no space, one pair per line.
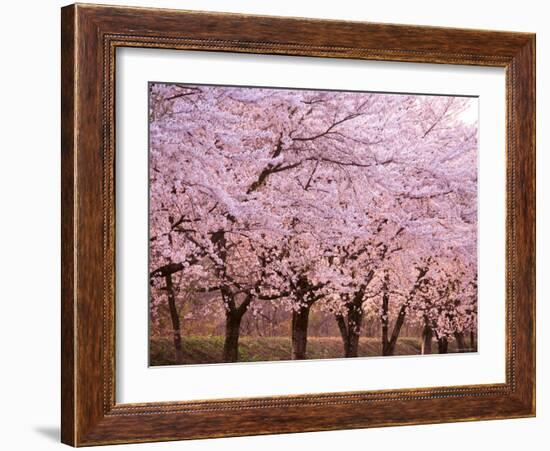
279,225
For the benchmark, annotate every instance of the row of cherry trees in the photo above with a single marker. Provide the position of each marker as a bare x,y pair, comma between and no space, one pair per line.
361,204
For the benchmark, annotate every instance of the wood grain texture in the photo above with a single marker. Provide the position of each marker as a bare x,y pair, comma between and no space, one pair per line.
90,36
67,225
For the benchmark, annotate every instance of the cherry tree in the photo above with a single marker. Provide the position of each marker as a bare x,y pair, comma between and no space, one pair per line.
447,306
303,197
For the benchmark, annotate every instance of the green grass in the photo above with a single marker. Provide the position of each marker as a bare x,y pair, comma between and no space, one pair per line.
198,349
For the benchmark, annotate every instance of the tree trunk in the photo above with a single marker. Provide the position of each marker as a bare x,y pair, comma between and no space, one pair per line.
231,343
233,317
472,341
385,316
460,343
353,347
388,344
390,348
174,316
343,332
443,345
350,330
300,320
427,336
355,319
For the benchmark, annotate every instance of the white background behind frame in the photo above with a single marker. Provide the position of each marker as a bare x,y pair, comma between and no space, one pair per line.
34,193
136,382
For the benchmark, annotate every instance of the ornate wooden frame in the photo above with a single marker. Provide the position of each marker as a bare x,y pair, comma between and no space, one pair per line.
90,36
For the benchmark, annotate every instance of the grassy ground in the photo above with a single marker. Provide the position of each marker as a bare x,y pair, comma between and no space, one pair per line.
257,349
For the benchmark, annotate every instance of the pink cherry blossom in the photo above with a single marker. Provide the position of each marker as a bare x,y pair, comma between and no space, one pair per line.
363,205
